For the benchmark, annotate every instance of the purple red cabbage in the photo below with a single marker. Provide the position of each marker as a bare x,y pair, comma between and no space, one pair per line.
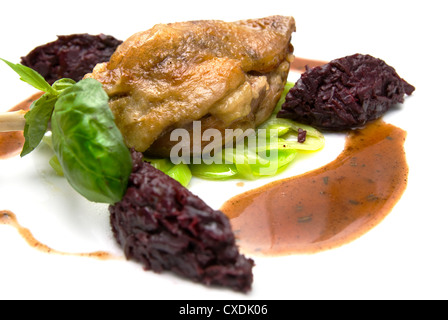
71,56
345,93
162,225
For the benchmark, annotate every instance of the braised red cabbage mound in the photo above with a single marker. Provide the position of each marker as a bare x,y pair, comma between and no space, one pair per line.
71,56
162,225
345,93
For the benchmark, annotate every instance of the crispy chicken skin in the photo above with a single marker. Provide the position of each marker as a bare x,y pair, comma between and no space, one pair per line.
225,74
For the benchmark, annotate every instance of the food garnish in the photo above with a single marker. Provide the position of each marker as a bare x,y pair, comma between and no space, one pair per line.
345,93
88,144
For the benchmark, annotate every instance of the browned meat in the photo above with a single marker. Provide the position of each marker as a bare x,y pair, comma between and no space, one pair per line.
226,74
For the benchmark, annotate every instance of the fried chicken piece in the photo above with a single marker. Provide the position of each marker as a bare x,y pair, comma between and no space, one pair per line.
225,74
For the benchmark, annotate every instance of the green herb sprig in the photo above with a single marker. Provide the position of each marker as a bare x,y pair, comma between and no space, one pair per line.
86,140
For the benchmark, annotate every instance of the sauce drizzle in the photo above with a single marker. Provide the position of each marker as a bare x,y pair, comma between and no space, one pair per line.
9,218
327,207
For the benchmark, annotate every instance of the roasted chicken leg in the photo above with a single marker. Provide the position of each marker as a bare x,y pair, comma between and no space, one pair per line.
225,74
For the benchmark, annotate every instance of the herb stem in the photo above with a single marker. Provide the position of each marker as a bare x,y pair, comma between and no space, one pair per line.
12,121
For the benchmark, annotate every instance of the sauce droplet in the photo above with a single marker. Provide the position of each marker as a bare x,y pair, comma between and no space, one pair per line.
327,207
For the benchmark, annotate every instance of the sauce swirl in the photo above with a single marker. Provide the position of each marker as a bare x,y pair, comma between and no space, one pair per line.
327,207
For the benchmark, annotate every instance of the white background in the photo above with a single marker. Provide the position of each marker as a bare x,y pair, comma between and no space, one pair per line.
405,257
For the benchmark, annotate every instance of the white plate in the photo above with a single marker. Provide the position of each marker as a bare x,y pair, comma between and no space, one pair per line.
404,257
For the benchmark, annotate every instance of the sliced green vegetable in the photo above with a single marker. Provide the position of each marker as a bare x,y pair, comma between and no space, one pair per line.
253,165
56,165
273,167
288,86
214,171
163,165
180,172
274,123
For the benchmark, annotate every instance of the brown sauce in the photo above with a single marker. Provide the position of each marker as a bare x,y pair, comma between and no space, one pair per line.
327,207
9,218
300,64
11,143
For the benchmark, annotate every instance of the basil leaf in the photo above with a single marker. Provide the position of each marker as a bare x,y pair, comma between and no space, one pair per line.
62,84
37,120
31,77
88,144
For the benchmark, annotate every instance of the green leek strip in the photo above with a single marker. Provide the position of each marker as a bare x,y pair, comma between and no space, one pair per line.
274,123
161,164
270,168
288,86
182,173
214,171
56,165
311,144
